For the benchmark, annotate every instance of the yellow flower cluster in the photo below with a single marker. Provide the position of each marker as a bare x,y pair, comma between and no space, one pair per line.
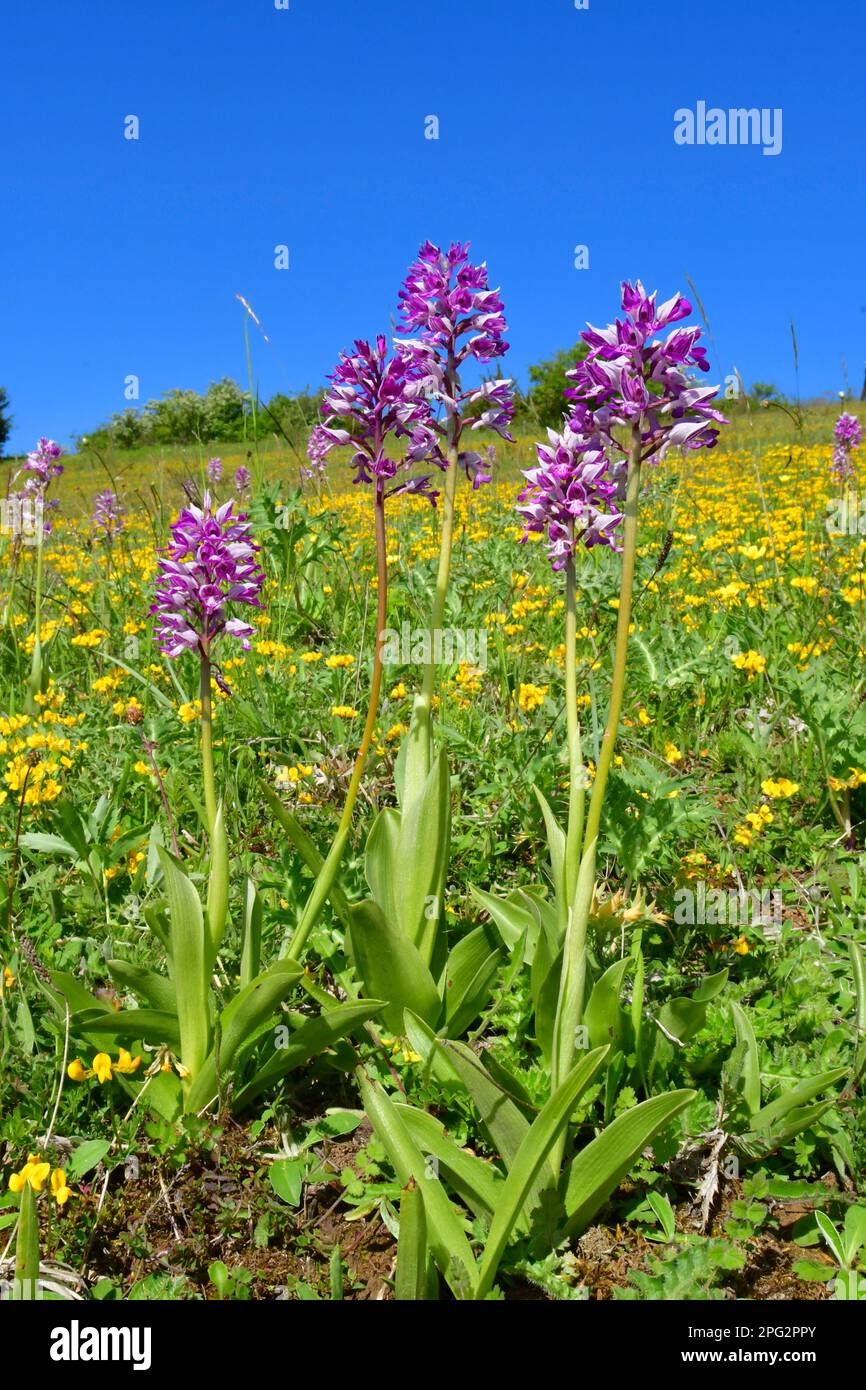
857,779
103,1068
750,661
531,697
398,1047
779,788
36,1173
754,824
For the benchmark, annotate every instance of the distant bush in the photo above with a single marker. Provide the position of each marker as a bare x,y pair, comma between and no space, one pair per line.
5,418
765,391
545,400
223,414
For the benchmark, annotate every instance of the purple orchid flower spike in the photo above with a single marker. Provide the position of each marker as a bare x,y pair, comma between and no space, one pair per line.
40,468
632,375
209,567
633,382
448,302
847,434
108,513
371,397
571,496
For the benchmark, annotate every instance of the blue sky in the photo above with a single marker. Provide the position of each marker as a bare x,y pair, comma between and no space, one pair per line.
305,127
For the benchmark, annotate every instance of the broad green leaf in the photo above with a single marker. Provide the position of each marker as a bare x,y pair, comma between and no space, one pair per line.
380,863
251,949
514,921
157,919
604,1016
25,1288
710,987
311,1039
424,1041
250,1007
529,1162
750,1077
410,1277
157,989
758,1143
48,844
855,1232
476,1183
287,1179
469,973
556,850
831,1236
445,1228
501,1120
151,1025
85,1157
771,1115
422,860
544,985
391,968
599,1168
24,1026
188,965
512,1085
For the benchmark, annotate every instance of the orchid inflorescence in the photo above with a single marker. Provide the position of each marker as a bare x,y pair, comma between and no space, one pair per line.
40,468
108,513
847,433
372,396
460,318
632,383
210,565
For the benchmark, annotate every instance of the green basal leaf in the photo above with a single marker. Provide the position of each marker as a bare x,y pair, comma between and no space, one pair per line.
391,968
529,1162
410,1279
189,965
446,1235
599,1168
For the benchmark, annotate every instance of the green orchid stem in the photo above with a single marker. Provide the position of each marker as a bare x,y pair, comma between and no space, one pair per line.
620,655
376,683
210,801
329,869
569,1014
36,674
418,751
576,771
